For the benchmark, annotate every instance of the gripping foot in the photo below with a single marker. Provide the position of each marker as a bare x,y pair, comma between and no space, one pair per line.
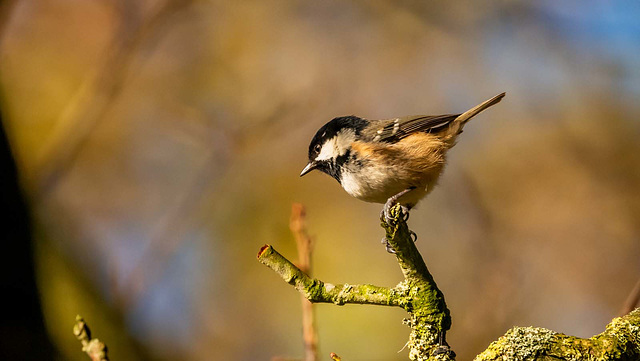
385,215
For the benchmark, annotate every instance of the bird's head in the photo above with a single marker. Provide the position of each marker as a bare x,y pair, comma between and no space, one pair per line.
331,146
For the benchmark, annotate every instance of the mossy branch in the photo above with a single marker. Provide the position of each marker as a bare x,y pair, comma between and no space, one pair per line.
417,293
620,342
320,292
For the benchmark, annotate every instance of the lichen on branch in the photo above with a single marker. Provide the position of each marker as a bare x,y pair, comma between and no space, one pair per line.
620,342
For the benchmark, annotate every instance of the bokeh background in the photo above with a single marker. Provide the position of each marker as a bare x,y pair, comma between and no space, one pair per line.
158,145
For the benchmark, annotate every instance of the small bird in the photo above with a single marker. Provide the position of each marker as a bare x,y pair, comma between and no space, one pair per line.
388,161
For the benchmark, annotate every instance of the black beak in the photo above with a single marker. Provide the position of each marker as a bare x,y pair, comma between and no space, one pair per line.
311,166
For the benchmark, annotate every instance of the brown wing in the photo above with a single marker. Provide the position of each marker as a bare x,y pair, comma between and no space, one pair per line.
393,130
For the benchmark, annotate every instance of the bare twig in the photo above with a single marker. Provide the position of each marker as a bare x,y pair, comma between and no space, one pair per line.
304,243
298,226
94,348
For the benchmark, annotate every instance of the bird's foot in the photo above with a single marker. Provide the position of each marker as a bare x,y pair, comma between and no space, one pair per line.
385,214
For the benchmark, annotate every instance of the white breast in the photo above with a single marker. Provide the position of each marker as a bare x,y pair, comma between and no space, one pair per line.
376,185
368,185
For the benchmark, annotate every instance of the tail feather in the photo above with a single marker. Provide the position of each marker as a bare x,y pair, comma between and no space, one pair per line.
464,117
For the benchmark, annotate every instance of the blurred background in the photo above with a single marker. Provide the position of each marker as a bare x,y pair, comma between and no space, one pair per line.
157,146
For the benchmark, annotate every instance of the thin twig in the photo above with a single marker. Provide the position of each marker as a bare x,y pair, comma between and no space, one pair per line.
298,226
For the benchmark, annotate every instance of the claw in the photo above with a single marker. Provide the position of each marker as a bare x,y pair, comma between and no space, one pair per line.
387,246
386,211
413,235
405,213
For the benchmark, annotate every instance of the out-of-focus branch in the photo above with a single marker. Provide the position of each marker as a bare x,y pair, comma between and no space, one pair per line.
89,105
93,347
417,293
298,226
632,300
304,243
6,8
87,109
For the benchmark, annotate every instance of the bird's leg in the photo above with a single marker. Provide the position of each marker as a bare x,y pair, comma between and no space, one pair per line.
385,215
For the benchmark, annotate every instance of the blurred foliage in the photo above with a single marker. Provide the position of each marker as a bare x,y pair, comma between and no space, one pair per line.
160,143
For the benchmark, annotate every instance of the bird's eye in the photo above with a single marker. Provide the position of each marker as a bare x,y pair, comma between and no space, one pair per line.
317,148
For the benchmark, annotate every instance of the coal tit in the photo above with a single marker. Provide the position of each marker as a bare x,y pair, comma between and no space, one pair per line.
388,161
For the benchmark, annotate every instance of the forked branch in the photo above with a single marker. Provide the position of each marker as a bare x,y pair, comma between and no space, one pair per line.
417,293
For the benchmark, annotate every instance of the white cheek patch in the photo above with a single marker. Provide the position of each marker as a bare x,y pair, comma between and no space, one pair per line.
337,145
329,150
